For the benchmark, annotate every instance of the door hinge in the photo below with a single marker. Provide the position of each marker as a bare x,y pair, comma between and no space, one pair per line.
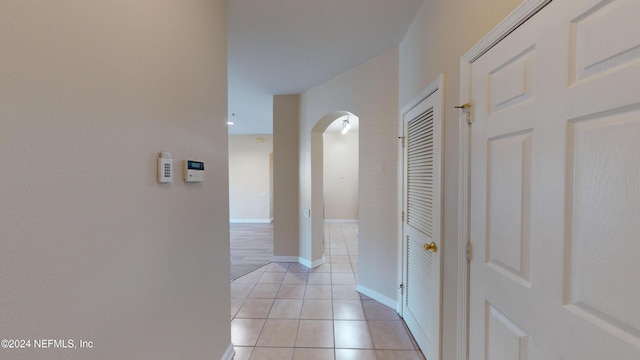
468,251
402,138
401,287
402,216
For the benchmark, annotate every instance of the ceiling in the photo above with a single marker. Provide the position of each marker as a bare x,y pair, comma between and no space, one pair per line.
279,47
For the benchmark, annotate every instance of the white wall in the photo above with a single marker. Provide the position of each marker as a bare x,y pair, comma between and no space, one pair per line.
340,172
92,246
250,178
370,92
441,32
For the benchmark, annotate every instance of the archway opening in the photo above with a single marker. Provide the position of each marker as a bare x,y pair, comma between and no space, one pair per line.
340,170
315,250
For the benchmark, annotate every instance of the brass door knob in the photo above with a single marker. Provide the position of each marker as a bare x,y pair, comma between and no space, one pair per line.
431,247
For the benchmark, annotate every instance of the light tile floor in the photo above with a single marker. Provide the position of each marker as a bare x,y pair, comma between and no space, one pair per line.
289,312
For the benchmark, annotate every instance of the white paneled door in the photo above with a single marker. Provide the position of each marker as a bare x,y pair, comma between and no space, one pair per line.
422,204
555,187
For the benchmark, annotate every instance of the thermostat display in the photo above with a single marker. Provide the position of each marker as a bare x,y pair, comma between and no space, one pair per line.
193,171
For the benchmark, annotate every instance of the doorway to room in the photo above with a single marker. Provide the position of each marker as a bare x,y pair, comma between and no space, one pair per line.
250,202
340,157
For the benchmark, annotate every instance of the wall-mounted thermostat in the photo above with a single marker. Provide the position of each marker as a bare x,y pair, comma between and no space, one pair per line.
193,171
165,168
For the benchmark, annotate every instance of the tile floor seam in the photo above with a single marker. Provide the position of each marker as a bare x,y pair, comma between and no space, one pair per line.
295,341
369,328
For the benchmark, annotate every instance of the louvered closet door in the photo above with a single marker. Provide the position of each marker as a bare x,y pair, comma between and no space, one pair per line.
422,225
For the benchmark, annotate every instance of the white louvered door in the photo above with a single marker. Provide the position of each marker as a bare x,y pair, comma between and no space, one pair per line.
422,221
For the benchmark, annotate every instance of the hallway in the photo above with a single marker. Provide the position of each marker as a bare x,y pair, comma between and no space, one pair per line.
286,311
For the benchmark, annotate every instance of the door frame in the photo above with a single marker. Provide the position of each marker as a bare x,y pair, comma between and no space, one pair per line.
520,15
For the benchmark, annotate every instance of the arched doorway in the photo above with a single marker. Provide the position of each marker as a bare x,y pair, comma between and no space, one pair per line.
341,170
315,250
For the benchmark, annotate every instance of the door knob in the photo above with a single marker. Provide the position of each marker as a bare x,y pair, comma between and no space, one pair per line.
431,247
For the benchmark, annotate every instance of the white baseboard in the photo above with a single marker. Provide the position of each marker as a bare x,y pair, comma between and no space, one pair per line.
341,220
297,259
311,264
377,296
305,262
250,221
289,259
229,354
318,262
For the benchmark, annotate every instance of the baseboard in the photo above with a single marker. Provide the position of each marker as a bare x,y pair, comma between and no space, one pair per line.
289,259
250,221
311,264
305,262
229,354
318,262
341,220
297,259
377,296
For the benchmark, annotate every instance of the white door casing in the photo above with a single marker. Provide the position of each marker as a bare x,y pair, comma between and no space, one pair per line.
555,194
422,224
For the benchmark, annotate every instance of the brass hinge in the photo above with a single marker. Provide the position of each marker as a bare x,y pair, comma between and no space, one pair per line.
468,251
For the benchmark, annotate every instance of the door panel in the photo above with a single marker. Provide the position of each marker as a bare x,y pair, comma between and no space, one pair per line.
423,206
603,228
509,205
555,200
